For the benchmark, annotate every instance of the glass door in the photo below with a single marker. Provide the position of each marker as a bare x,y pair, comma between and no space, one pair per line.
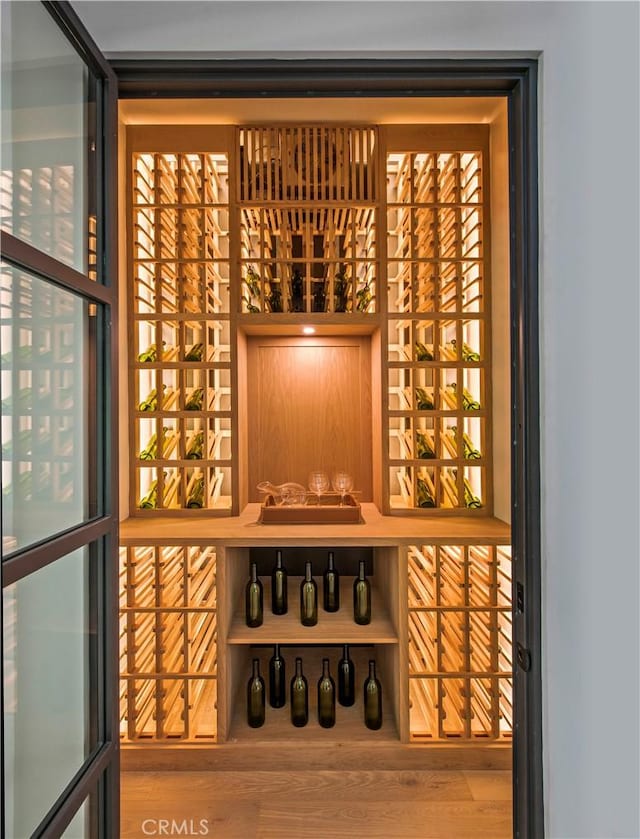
57,427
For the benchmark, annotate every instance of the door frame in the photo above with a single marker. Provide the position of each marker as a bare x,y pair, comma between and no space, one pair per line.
100,773
517,81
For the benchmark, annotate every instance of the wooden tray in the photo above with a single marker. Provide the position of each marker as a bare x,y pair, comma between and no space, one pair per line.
327,512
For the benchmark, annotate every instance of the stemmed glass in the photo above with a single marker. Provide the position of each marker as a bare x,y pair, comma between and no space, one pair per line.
342,483
318,483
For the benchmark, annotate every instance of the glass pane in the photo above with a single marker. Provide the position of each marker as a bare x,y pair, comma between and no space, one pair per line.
80,825
49,724
46,382
45,137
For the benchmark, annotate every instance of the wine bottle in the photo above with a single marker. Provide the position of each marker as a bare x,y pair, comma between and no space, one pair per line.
150,354
255,697
308,599
425,498
196,445
299,697
297,294
195,353
372,699
346,679
150,500
151,402
423,401
194,402
326,697
424,449
423,353
279,595
253,599
331,586
196,495
277,676
361,597
470,500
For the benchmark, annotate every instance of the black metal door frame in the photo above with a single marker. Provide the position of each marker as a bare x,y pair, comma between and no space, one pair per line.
515,79
99,775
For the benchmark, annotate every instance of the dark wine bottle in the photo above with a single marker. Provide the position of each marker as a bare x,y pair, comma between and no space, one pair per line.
277,676
326,697
372,699
253,599
308,599
346,679
255,697
299,697
331,586
279,604
361,598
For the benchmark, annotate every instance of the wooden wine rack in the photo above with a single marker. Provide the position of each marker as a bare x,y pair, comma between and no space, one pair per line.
168,643
438,350
180,342
308,210
460,661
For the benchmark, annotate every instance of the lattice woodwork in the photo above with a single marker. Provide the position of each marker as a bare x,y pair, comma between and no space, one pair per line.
460,661
168,643
438,356
181,353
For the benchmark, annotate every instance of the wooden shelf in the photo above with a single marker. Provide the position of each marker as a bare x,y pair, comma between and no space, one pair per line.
376,530
349,727
332,628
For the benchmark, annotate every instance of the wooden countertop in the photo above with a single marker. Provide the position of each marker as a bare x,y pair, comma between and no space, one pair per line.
375,530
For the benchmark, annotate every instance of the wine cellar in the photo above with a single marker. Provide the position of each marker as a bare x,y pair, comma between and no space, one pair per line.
303,296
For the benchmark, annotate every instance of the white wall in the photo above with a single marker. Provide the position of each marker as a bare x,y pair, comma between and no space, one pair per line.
589,325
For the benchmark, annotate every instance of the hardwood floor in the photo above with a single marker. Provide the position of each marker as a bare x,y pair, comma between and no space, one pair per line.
320,804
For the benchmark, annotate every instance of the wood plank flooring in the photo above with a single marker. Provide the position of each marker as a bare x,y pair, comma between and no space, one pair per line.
318,804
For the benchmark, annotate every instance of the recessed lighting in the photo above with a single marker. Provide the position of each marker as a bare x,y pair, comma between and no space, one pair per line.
308,330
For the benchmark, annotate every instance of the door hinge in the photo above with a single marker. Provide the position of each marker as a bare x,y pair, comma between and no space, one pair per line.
524,657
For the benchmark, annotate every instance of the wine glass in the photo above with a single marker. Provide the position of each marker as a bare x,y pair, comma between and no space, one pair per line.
318,483
342,483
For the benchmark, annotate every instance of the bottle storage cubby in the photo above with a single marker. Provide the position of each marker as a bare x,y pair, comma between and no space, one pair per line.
438,359
308,203
168,643
181,337
459,632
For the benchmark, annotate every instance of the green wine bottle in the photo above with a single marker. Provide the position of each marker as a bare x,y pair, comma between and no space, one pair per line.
372,699
195,353
150,354
196,496
423,401
425,498
150,500
279,582
423,446
194,402
468,402
467,353
151,402
362,597
469,450
423,353
277,679
346,679
150,451
331,586
326,697
196,446
254,599
299,697
471,501
308,599
255,697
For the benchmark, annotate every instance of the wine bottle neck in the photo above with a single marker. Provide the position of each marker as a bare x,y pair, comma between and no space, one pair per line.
307,572
276,651
254,573
330,562
372,669
256,668
298,667
345,651
361,574
279,559
325,668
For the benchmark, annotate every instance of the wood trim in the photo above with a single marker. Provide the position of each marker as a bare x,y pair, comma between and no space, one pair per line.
168,139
